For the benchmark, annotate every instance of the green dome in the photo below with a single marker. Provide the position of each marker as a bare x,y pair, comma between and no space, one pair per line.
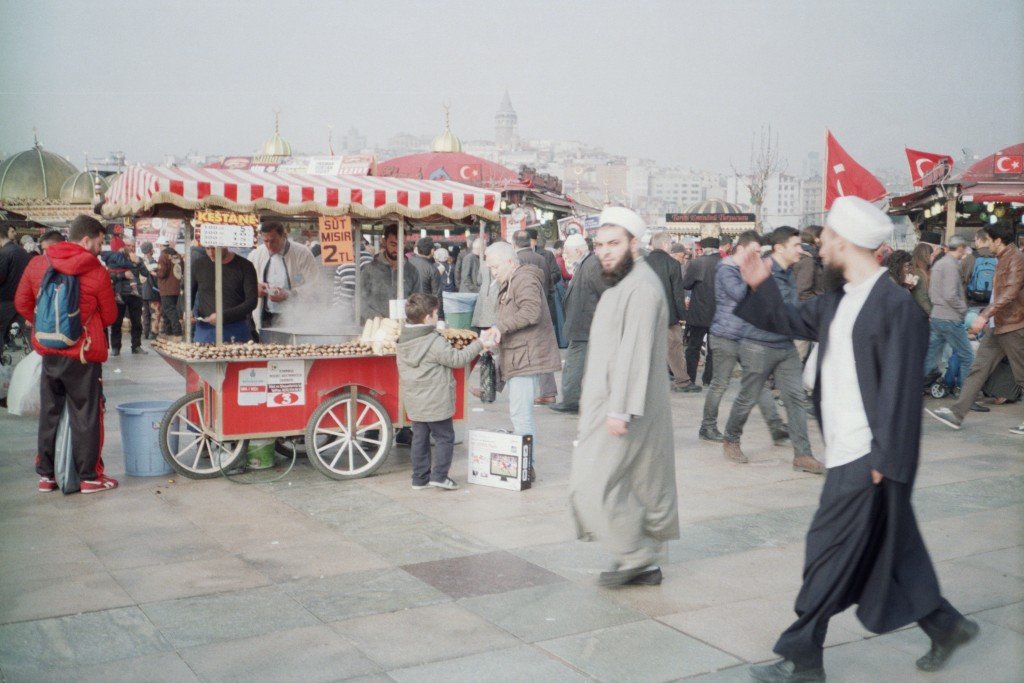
34,174
80,188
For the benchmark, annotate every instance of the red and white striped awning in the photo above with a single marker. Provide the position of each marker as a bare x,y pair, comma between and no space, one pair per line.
140,188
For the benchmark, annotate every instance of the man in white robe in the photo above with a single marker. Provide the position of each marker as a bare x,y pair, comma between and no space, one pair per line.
623,482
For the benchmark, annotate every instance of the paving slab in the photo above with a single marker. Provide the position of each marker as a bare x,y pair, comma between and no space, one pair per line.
161,668
483,574
344,596
513,665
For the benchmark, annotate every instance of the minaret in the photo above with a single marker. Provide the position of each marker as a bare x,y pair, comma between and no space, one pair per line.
506,133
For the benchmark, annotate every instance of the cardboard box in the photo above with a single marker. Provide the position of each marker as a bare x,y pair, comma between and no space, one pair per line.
499,459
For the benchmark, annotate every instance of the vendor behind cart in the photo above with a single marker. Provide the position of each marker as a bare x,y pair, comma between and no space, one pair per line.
379,279
285,271
240,292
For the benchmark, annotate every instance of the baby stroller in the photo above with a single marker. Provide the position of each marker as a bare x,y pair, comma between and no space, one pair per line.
948,382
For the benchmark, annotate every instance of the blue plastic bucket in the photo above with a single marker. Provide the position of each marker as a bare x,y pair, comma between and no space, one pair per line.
140,438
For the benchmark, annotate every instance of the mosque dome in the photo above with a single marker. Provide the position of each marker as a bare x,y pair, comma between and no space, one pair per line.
446,141
34,174
80,188
276,146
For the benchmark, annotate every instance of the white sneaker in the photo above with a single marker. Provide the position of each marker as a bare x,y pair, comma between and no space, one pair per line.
420,487
945,416
1018,430
447,483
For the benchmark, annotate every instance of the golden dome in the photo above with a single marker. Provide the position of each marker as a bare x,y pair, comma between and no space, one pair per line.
446,141
276,146
34,174
82,187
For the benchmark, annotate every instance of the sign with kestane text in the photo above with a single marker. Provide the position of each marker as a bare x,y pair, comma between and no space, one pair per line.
336,246
216,217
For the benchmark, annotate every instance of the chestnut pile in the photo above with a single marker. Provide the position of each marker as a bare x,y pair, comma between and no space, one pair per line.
254,351
460,339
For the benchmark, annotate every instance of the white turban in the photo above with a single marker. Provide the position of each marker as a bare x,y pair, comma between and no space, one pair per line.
575,241
624,218
859,222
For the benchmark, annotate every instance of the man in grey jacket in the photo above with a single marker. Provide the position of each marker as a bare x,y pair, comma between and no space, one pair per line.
949,307
726,334
763,354
379,279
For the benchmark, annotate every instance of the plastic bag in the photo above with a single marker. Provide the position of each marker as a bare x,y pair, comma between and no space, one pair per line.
65,469
488,378
23,395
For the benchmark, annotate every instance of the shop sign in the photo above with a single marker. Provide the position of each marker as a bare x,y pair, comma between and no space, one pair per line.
336,242
216,217
709,218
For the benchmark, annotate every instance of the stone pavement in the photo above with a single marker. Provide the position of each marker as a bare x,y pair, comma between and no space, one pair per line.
308,579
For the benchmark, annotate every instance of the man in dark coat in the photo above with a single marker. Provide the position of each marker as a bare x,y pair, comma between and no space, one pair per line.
699,280
585,289
863,547
671,276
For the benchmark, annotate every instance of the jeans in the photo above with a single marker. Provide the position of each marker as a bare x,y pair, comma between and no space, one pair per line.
521,392
993,348
444,442
695,339
132,306
759,362
952,333
572,373
172,319
727,354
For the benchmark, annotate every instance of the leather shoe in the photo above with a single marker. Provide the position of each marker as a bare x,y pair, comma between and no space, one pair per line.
651,577
625,577
710,434
562,408
808,463
940,654
785,671
115,352
544,401
978,408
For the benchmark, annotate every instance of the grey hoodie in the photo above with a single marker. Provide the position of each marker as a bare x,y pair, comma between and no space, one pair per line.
425,359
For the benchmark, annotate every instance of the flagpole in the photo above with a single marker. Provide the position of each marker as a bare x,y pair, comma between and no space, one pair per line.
824,178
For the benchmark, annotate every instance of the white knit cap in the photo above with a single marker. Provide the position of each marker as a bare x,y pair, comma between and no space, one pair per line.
859,222
575,241
624,218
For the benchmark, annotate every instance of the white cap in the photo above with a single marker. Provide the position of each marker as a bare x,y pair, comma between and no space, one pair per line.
859,222
441,255
575,241
624,218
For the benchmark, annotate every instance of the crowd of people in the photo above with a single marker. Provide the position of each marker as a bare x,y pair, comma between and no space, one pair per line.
846,331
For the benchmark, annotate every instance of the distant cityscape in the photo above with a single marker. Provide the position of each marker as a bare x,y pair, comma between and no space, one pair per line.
590,174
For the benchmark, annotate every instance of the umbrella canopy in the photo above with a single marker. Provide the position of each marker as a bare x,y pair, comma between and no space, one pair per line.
140,188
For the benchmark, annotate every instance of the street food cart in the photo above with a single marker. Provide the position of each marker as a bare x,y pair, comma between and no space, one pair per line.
337,394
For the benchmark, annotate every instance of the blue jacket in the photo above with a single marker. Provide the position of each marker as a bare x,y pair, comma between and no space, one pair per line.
786,282
729,291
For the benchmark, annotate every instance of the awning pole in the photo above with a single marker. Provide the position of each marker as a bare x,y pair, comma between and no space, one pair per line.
187,262
401,258
357,247
218,299
950,217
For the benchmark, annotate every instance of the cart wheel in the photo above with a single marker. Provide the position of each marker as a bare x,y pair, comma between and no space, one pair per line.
938,390
186,446
330,445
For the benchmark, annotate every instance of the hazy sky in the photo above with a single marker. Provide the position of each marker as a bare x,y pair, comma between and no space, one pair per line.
683,82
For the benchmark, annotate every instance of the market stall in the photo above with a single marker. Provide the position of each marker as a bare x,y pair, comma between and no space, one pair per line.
338,394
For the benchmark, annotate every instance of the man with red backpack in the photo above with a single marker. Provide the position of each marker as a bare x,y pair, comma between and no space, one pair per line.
72,369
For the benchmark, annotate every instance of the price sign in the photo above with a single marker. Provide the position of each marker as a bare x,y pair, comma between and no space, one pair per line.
336,246
286,383
214,235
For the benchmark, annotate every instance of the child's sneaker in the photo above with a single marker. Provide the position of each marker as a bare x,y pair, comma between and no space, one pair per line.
420,487
103,483
47,484
447,483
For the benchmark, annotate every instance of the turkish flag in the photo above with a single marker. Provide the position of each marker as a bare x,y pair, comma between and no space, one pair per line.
470,172
1011,164
921,163
845,177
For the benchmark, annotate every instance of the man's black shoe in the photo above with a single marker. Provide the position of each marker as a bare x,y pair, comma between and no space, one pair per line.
785,671
651,577
710,434
626,577
780,436
978,408
692,388
940,654
115,352
139,349
562,408
404,437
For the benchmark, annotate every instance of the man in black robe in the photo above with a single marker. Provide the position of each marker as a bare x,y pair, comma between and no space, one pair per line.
863,546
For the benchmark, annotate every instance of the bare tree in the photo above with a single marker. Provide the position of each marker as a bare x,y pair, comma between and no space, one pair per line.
765,162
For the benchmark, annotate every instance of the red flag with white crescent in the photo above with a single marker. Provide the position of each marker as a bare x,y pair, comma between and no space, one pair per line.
921,163
1009,164
845,177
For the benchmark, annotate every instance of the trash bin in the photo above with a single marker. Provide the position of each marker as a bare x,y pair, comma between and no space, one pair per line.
140,438
458,309
260,455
